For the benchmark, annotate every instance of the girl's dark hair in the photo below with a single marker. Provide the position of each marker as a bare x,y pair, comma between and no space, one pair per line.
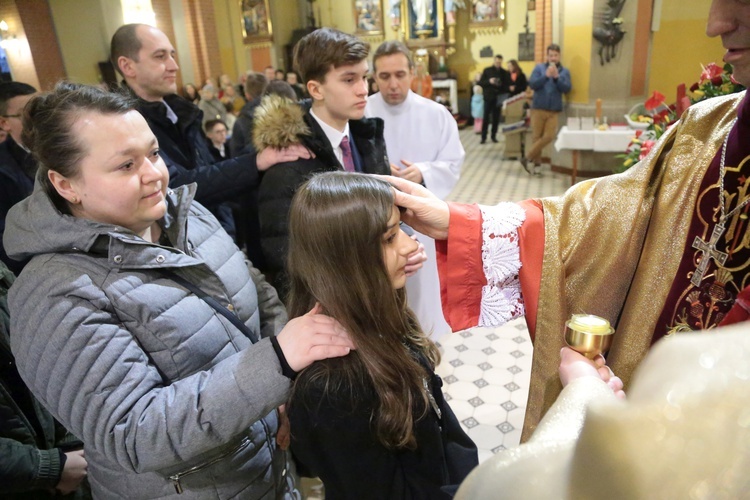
336,224
48,121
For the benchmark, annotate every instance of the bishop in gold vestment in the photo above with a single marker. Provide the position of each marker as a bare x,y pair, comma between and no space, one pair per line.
620,247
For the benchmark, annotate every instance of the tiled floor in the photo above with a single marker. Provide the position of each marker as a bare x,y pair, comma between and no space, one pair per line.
488,179
486,371
485,379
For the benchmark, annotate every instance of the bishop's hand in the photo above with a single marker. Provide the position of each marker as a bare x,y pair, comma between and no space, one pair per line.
424,212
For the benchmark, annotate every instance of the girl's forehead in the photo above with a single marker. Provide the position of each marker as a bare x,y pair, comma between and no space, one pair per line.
395,215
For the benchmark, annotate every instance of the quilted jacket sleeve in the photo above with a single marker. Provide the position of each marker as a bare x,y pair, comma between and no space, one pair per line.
273,315
89,371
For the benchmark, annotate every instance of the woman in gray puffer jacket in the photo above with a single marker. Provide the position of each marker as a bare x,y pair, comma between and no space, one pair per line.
168,394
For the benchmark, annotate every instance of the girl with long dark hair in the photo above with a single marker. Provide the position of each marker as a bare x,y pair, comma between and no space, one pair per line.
373,424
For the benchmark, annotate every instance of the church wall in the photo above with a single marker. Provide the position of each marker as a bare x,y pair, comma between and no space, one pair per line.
17,50
576,45
231,25
286,18
669,63
236,56
680,46
612,81
467,61
82,53
337,14
181,43
226,25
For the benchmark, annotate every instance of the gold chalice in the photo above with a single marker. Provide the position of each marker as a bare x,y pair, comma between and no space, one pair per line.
588,334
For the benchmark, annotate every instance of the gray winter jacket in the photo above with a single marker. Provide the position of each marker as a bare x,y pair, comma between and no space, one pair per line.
161,388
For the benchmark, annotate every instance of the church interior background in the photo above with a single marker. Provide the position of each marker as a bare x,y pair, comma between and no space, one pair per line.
660,45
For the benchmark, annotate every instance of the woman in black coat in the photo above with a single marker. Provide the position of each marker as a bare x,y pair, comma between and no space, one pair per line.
518,82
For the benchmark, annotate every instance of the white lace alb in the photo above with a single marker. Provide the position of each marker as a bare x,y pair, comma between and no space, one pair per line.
501,297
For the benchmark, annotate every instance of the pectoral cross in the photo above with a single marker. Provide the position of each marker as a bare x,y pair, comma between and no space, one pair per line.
709,252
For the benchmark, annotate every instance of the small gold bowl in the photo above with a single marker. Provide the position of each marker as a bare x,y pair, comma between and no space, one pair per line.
588,334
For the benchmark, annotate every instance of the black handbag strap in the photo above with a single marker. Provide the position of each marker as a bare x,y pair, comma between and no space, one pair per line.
211,302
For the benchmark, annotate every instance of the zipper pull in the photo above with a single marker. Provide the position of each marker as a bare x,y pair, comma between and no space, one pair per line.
176,482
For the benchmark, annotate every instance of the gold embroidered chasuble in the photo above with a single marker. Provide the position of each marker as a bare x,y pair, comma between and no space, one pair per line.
613,247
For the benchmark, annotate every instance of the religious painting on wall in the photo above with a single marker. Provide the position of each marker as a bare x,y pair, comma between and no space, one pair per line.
256,21
423,18
526,43
425,23
487,14
369,17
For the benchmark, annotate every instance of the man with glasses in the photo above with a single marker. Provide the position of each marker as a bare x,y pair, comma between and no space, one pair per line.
17,166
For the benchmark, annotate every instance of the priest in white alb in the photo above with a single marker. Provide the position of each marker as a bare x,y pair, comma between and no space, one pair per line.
421,137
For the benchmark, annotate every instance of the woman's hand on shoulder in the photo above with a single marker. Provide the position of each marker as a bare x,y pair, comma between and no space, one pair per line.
312,337
574,365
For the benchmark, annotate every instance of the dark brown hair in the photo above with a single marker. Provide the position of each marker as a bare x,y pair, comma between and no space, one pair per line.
255,84
125,42
9,90
336,227
210,124
48,121
326,48
553,46
390,48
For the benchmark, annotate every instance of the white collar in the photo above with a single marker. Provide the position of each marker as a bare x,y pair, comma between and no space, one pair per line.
171,115
397,109
334,136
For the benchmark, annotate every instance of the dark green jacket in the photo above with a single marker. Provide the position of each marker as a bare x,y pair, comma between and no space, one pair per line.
30,465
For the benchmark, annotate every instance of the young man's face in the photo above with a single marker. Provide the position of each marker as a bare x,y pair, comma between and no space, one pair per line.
730,19
553,56
393,76
342,96
498,62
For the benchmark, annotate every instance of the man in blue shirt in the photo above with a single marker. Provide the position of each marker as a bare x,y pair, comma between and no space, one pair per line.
549,81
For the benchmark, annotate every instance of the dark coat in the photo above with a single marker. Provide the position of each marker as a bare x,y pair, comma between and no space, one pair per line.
333,438
242,131
246,206
521,84
280,182
17,168
185,150
493,90
30,439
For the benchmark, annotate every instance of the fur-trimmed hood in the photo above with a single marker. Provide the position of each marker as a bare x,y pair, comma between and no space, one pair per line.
278,123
